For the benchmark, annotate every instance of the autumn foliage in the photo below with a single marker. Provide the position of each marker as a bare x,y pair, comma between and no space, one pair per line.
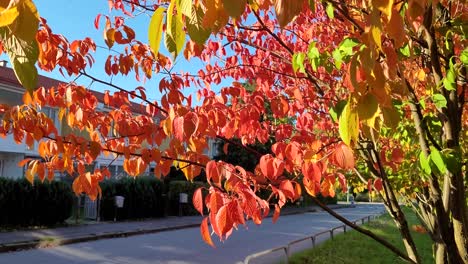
374,92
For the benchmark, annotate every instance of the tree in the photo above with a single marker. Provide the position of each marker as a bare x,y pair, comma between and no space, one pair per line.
376,88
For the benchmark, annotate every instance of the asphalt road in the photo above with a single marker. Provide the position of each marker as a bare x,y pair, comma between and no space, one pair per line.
186,246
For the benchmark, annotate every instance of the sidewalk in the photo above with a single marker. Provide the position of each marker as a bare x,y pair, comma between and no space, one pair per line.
18,240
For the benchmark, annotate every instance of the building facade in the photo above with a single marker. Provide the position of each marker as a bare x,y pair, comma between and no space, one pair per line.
11,153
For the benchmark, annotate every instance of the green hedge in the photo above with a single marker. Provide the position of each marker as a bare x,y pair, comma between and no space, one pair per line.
43,204
176,187
143,198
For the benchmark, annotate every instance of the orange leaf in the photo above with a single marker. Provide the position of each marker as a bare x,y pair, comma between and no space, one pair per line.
344,157
287,188
271,167
24,162
276,214
205,233
197,200
223,220
287,10
310,186
311,171
213,173
342,181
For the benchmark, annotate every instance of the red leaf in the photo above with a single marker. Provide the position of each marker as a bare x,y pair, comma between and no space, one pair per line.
197,200
312,171
378,184
293,153
342,181
205,233
397,155
178,128
225,148
213,173
271,167
276,214
369,185
96,21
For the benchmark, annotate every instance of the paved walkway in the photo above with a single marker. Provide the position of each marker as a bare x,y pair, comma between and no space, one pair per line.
17,240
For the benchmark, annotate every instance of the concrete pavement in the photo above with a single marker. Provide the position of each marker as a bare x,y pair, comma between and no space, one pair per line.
186,246
20,240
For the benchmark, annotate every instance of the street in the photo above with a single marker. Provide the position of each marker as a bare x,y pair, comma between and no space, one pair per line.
185,246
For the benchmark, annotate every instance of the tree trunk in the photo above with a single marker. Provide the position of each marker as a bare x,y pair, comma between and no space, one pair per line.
459,216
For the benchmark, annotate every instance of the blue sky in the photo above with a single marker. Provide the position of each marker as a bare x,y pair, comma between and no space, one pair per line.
75,20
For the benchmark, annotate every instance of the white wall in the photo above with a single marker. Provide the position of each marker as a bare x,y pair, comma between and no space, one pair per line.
9,167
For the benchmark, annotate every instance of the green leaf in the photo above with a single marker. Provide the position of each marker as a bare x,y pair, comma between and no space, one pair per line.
348,43
439,100
335,111
450,79
452,160
405,50
438,160
195,30
175,34
424,163
155,29
337,58
23,56
234,8
312,5
422,103
330,11
464,56
349,125
298,62
314,56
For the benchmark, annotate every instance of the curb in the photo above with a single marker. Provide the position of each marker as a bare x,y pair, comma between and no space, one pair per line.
38,243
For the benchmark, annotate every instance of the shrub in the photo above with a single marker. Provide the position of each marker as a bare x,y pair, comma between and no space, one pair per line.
42,204
143,198
177,187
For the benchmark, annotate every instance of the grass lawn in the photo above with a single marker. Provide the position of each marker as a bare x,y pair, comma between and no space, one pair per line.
353,247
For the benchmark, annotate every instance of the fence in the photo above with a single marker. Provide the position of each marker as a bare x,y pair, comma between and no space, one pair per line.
313,238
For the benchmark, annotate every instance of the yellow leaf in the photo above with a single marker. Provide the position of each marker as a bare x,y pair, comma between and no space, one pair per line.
23,55
8,16
395,29
385,6
376,36
391,117
109,37
287,10
367,107
349,125
186,7
234,8
25,26
155,29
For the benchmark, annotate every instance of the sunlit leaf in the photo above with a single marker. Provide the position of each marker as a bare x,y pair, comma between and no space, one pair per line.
349,125
155,29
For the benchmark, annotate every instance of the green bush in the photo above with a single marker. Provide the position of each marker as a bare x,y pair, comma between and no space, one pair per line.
42,204
177,187
143,198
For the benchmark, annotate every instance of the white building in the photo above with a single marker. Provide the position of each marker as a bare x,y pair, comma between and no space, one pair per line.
11,93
